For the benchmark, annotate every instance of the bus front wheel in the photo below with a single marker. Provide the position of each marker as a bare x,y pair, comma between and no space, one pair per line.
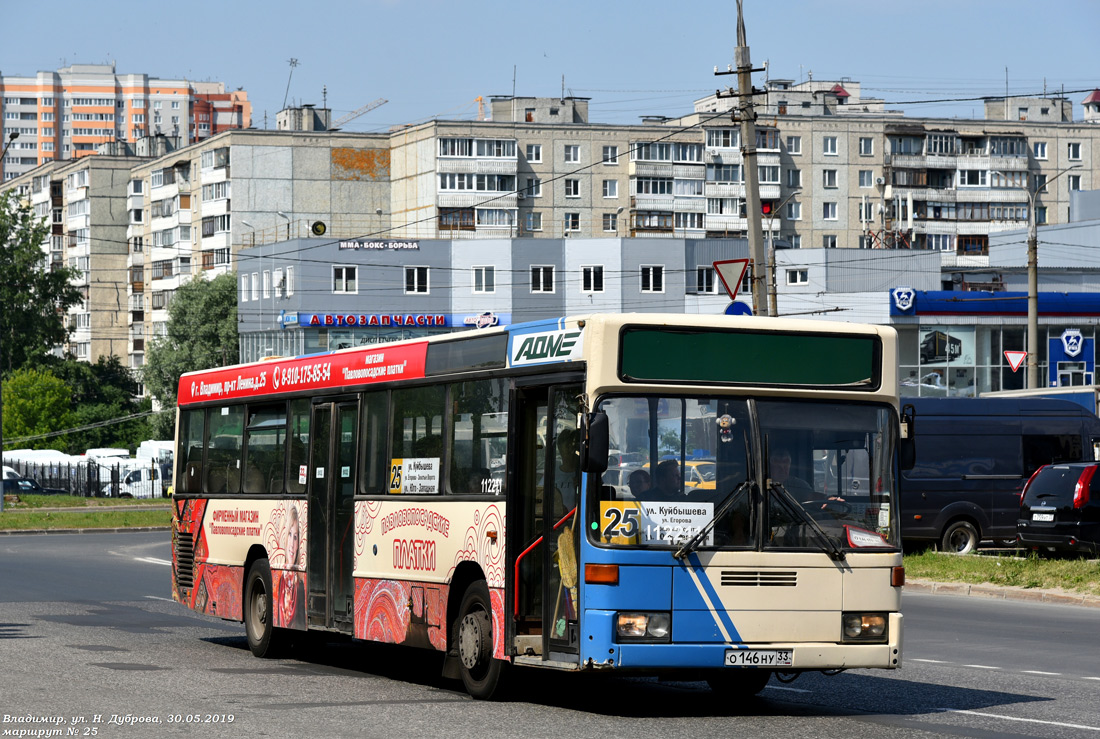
258,610
473,633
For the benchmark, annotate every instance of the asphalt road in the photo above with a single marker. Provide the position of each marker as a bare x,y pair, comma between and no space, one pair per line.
86,630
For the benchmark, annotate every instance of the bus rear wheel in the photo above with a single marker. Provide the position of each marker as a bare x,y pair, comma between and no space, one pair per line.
735,683
259,610
960,537
473,634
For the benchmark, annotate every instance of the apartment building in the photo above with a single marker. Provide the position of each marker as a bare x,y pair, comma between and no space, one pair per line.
70,112
189,212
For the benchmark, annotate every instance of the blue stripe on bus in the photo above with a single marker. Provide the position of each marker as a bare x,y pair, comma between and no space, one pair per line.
717,608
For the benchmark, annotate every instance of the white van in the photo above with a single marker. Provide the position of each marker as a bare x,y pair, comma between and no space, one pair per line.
141,482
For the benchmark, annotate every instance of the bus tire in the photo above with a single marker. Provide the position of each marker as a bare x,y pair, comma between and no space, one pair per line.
960,537
473,634
738,683
259,610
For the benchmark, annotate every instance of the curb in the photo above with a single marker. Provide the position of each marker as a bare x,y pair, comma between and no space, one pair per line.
51,532
1002,593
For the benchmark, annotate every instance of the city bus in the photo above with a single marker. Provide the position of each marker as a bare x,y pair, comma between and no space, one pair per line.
449,493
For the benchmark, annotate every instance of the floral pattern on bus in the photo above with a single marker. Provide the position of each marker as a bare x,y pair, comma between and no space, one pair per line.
219,591
496,601
486,550
364,524
401,612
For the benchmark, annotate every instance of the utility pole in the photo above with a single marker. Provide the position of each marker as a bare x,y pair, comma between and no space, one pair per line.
743,59
11,139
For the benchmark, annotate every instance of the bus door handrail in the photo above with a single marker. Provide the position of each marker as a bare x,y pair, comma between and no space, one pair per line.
525,552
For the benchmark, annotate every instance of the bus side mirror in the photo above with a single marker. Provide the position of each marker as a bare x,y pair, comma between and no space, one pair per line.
907,447
595,445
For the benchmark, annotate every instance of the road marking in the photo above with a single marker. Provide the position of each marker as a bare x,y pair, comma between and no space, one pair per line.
1039,672
1092,678
789,690
154,597
931,661
1024,720
982,667
154,561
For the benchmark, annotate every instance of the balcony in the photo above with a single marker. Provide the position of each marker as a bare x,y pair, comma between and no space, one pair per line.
651,169
723,190
653,202
471,199
464,165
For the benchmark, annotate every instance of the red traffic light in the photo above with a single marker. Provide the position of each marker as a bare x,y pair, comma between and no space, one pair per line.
766,208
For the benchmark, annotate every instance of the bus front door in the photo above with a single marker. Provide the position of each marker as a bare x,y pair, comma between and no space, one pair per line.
331,539
547,497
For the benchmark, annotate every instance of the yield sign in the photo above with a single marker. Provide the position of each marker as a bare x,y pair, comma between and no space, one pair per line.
1015,359
731,272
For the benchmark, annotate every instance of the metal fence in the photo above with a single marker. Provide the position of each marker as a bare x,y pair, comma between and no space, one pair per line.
89,479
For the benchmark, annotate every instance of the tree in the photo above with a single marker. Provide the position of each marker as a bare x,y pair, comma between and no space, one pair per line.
202,333
103,391
34,298
36,402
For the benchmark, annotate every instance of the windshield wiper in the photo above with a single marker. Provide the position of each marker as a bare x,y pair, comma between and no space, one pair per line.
691,544
835,552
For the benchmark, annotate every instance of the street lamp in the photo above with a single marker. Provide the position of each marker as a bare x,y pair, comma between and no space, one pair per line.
284,215
1033,282
773,308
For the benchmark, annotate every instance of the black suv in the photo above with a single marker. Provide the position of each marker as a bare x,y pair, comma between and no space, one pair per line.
1060,508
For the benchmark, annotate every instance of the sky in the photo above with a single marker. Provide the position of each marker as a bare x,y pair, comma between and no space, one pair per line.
433,58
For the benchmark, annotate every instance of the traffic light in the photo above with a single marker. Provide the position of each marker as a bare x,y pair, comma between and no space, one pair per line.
766,208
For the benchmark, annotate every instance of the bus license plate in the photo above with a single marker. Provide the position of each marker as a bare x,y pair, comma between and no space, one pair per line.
759,658
1042,516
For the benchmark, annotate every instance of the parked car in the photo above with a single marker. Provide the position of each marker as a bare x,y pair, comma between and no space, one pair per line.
1060,509
27,486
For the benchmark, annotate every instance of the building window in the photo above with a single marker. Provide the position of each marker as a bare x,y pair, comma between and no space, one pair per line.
688,221
534,221
256,285
769,174
416,280
1040,148
866,146
572,153
610,222
289,281
798,277
866,178
611,188
794,178
592,279
267,283
534,187
794,144
572,188
572,221
828,178
542,279
1022,113
1074,182
828,145
611,155
653,279
828,211
244,288
1073,149
485,280
828,241
704,280
794,211
534,152
1040,215
796,241
972,177
343,280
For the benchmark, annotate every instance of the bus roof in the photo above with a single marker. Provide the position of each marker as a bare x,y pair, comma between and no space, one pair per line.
551,341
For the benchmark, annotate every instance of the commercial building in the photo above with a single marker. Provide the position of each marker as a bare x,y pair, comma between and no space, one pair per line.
70,112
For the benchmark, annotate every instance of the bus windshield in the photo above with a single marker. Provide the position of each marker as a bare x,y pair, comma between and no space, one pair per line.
802,475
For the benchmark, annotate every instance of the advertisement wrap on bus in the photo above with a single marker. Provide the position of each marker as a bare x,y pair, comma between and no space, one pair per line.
570,494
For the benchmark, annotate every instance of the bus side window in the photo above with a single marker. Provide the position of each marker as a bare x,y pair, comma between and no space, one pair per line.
190,451
479,437
297,459
374,467
223,449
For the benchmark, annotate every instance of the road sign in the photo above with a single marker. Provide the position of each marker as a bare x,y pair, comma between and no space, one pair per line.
731,272
1015,359
738,309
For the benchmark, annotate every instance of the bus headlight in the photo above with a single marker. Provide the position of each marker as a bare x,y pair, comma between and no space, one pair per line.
864,627
643,626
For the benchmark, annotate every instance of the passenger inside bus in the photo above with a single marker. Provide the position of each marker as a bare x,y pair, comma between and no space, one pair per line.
667,486
781,474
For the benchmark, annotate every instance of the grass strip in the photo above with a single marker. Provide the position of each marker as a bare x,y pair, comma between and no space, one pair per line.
77,501
87,519
1071,574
